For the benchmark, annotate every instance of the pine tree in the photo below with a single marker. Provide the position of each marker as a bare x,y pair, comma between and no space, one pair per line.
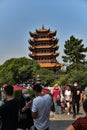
75,52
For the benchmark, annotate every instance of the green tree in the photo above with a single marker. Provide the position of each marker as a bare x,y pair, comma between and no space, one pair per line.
20,70
17,70
46,76
75,53
75,58
74,75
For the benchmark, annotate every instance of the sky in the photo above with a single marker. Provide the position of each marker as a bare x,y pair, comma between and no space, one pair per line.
19,17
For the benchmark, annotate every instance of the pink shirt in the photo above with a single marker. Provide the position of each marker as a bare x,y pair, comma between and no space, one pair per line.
55,92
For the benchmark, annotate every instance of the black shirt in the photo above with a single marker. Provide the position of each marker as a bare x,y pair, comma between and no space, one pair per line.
76,91
9,114
28,122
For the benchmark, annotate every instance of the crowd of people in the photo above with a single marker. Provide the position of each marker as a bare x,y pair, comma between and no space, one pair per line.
67,97
25,112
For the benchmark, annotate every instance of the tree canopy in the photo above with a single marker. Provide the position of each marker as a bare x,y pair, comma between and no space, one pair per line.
17,70
24,70
75,58
75,53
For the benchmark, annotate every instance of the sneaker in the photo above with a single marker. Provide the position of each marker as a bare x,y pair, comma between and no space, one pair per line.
68,113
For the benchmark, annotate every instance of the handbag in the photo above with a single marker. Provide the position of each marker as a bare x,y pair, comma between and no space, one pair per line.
53,107
22,116
58,100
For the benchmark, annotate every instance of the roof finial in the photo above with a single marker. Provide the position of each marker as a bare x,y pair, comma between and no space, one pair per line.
42,26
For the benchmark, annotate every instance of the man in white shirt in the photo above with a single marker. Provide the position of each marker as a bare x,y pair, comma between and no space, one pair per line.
41,109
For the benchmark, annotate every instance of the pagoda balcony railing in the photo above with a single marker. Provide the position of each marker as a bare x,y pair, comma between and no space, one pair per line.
45,54
43,40
54,53
46,61
39,47
43,47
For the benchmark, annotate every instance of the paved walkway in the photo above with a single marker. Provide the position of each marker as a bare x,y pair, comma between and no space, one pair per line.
61,121
59,125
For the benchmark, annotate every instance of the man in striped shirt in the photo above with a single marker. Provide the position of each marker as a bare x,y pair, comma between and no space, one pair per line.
80,123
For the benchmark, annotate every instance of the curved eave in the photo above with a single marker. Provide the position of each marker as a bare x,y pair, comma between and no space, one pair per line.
31,48
43,47
45,39
55,40
40,55
49,65
42,39
43,30
44,54
40,47
52,33
55,54
31,41
55,47
30,55
33,34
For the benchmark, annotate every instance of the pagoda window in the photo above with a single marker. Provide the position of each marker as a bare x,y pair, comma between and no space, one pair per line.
43,43
42,36
51,50
44,50
40,43
41,51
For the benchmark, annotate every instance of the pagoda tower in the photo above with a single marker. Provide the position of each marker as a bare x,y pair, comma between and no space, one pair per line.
43,47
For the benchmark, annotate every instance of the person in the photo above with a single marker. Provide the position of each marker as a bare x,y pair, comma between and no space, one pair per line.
1,101
62,100
9,110
76,98
56,98
85,92
68,98
80,123
26,121
41,108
